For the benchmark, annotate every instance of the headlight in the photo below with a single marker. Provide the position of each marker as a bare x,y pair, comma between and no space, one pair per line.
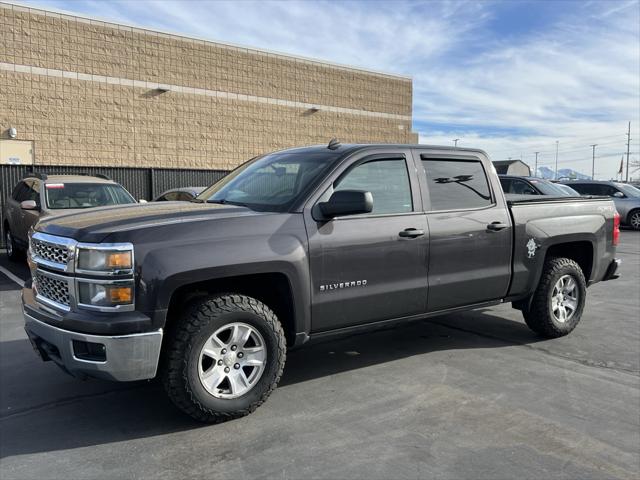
105,294
104,260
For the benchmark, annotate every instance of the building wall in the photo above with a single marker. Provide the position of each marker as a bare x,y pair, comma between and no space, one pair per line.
90,93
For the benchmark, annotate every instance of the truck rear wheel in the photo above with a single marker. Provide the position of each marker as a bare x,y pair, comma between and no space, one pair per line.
224,358
558,302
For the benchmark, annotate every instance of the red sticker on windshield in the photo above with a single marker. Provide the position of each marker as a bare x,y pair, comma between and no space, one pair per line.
54,185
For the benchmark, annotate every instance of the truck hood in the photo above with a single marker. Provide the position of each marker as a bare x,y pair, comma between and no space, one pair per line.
96,224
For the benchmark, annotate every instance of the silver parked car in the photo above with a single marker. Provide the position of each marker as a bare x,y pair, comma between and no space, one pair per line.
38,195
625,196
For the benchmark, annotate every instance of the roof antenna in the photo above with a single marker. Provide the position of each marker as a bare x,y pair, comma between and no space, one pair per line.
334,144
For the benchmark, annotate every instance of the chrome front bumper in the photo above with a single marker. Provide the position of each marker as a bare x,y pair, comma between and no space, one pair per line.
121,358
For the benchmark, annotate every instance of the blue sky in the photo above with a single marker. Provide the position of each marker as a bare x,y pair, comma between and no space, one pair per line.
511,76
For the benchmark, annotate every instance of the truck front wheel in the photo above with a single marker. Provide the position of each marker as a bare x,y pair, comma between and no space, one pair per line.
557,303
224,358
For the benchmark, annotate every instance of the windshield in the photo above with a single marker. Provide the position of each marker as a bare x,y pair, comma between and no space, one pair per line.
566,188
549,188
628,190
270,183
61,196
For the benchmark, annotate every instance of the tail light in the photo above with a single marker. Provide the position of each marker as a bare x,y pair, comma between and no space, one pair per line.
616,228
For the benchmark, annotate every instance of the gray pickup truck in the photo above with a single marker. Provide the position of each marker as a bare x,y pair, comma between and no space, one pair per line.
296,245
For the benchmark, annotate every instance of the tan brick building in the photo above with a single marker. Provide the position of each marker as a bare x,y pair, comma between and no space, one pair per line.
88,92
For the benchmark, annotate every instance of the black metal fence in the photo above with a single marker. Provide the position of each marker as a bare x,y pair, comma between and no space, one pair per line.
143,183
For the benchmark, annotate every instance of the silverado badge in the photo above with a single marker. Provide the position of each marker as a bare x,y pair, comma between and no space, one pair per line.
338,286
531,248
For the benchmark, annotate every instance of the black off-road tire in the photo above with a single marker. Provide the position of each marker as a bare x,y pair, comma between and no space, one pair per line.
539,316
179,369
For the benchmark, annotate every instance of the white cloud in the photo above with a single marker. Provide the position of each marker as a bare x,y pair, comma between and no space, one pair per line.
573,77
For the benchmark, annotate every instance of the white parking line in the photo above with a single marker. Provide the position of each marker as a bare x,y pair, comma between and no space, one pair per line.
11,276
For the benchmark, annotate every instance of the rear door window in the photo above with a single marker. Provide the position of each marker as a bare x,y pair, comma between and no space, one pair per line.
456,184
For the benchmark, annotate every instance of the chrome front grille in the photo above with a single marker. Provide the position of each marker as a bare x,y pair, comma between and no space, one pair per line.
52,289
56,280
50,252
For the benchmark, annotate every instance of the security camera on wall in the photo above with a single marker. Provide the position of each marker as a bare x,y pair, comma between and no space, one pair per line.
13,133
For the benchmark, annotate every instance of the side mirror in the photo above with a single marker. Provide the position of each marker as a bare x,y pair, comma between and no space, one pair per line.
618,195
28,205
142,200
347,202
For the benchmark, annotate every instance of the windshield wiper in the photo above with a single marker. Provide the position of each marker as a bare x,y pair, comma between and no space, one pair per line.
224,201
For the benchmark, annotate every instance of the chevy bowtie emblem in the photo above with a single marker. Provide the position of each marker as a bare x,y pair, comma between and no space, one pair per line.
338,286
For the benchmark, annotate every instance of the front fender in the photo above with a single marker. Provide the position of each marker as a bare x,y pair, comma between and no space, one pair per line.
235,247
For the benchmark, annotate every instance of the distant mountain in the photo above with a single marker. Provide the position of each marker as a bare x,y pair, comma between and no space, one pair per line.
569,172
546,172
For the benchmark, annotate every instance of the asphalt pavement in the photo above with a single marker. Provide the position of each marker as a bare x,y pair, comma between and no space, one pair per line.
473,395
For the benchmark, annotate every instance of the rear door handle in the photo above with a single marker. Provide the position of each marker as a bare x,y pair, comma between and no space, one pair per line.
496,226
411,233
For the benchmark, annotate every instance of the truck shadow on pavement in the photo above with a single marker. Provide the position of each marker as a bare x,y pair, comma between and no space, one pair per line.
45,410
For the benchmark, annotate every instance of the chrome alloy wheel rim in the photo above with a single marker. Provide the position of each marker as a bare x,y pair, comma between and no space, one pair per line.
232,360
564,298
635,220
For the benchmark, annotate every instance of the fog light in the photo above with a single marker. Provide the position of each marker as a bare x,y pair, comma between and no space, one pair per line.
93,352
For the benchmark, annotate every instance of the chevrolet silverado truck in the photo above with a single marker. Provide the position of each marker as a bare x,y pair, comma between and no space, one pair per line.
301,244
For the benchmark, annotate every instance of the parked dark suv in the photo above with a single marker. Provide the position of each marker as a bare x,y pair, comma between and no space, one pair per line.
38,196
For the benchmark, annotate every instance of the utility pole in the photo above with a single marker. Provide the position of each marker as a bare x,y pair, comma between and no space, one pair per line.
556,174
455,142
535,171
628,142
593,162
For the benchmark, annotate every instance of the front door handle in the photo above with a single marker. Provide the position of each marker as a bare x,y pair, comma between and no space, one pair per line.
496,226
411,233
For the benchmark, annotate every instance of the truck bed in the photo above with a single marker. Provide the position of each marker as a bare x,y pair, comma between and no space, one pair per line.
540,222
513,199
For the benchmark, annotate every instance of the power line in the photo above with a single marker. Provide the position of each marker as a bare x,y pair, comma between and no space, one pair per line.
571,150
540,146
